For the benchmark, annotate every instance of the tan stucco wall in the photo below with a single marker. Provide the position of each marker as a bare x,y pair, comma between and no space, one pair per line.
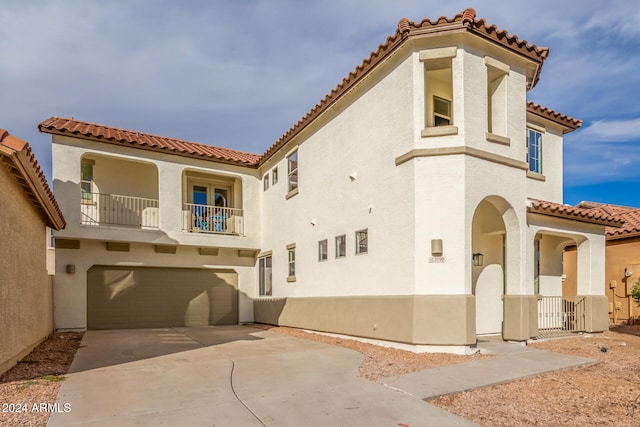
413,319
26,305
520,317
620,254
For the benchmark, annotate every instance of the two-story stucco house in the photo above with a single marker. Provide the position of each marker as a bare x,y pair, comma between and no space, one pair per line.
419,202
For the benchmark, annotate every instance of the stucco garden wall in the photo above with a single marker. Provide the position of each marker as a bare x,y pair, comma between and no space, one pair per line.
26,303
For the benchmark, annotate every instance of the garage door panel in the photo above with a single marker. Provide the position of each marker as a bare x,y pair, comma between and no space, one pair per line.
134,297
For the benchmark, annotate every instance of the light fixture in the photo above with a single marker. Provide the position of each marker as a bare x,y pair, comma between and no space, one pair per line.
477,259
436,247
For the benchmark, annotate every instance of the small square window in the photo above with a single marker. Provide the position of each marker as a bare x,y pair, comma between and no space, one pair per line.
362,241
274,176
323,250
441,111
265,182
341,246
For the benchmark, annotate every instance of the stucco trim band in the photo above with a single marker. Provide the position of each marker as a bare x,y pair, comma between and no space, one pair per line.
463,150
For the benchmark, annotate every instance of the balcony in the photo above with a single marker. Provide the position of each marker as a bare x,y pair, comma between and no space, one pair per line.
198,218
115,209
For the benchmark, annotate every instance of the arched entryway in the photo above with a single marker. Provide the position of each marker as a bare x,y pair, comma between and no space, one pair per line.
492,220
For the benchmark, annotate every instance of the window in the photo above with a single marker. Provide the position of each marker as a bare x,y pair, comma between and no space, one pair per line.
265,182
341,246
496,96
292,167
291,249
86,179
323,250
264,273
534,150
362,241
438,90
441,111
274,176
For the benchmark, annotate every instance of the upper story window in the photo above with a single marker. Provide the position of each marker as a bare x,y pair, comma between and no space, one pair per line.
274,176
292,170
496,96
86,179
534,150
438,91
265,182
441,111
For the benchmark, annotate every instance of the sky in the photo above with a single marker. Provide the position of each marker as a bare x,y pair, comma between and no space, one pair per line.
240,73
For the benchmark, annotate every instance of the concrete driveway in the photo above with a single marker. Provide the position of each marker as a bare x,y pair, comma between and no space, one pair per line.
228,376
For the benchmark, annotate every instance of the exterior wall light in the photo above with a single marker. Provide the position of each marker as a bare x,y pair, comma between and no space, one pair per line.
478,259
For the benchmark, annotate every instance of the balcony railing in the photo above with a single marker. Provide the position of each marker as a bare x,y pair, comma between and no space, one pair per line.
212,219
99,209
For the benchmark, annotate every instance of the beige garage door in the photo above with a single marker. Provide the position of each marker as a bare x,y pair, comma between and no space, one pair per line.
134,297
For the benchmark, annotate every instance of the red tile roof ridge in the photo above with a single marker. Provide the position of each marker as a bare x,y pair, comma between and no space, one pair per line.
136,139
555,116
560,210
465,19
630,215
24,166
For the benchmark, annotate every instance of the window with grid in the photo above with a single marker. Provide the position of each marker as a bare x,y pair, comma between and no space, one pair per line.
292,262
265,182
362,241
292,169
274,176
534,150
86,179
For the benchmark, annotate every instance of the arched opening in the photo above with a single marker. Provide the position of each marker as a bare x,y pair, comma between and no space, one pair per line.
488,279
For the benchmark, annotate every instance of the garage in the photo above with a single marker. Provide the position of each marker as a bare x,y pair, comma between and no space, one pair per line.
121,297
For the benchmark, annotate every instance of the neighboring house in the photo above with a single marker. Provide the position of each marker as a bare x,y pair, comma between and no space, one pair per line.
27,208
622,261
418,202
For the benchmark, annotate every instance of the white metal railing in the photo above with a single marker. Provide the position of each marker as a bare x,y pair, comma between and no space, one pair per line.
560,315
100,208
212,219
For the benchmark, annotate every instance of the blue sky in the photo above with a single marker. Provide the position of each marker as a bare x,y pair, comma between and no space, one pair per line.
239,74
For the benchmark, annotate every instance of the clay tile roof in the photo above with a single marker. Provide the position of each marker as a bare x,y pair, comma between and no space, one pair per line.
128,138
630,216
463,21
559,210
18,158
568,122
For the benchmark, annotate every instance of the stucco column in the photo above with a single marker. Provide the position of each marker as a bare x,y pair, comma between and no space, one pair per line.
591,256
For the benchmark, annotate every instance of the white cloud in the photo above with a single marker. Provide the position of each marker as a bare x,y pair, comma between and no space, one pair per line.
611,131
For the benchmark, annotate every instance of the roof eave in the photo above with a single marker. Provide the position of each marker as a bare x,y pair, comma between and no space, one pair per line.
120,143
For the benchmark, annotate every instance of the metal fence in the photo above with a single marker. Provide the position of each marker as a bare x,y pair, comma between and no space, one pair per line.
560,316
99,208
212,219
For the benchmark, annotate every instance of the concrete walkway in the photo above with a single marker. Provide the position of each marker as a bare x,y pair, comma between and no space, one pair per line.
512,361
239,376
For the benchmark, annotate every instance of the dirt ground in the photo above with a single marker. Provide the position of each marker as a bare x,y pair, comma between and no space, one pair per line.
606,393
27,388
